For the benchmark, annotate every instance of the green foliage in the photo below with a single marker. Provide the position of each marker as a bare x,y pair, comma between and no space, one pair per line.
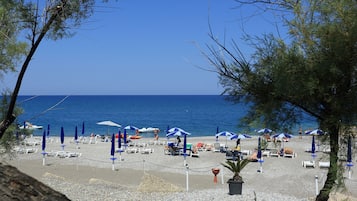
11,49
236,167
8,141
313,72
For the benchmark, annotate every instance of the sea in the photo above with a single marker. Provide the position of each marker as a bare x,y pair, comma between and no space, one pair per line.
200,115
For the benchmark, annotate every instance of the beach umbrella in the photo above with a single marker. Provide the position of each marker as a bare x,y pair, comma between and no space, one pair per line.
76,136
349,156
112,151
239,136
349,150
119,139
180,132
62,138
226,134
314,132
259,155
82,128
217,130
119,145
48,130
313,149
109,124
44,148
175,129
131,128
281,136
265,130
44,140
124,136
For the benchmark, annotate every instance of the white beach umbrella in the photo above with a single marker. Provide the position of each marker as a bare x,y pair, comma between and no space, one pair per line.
109,123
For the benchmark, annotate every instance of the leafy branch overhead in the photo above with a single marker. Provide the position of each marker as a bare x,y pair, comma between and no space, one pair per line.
54,19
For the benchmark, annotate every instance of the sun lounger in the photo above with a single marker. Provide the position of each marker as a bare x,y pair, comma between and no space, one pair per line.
289,152
146,150
274,153
216,147
67,154
132,150
245,152
307,164
324,164
266,153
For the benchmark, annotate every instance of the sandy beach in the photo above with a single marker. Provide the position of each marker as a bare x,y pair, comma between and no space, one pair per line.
150,174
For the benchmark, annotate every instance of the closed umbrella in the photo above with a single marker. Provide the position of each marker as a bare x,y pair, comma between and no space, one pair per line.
349,156
313,149
119,145
124,136
112,151
83,128
62,138
259,155
44,148
48,130
76,136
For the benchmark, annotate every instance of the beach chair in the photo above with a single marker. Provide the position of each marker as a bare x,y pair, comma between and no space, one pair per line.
146,150
200,146
324,164
216,147
289,152
274,153
307,164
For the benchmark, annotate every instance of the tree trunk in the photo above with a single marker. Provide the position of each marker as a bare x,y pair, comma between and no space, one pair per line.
333,132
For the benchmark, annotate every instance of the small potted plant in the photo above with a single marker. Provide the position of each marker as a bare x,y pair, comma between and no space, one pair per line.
236,182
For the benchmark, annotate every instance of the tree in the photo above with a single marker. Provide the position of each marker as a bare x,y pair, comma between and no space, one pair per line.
315,72
56,22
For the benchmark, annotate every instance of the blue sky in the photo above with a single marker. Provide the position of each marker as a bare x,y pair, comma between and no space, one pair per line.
140,47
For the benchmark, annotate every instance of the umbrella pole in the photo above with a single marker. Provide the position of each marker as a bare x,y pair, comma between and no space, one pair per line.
43,159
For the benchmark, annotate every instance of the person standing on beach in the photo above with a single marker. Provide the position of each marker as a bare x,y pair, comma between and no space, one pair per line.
178,140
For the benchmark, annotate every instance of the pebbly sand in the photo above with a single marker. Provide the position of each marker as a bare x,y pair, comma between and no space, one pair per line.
157,176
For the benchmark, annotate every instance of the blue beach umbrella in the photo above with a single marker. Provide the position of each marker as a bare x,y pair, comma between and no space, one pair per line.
180,132
48,130
76,134
119,139
131,128
44,141
82,128
349,150
349,156
313,148
259,155
44,148
314,132
226,134
112,151
265,130
239,136
62,138
124,136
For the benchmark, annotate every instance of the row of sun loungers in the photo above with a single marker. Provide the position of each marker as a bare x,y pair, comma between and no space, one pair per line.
312,164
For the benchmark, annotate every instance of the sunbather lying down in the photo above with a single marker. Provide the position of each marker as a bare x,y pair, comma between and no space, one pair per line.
253,157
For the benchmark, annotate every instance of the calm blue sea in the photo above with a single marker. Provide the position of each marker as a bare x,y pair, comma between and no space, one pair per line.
198,114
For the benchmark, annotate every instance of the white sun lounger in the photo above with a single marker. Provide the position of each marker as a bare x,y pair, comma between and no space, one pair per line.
324,164
307,164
